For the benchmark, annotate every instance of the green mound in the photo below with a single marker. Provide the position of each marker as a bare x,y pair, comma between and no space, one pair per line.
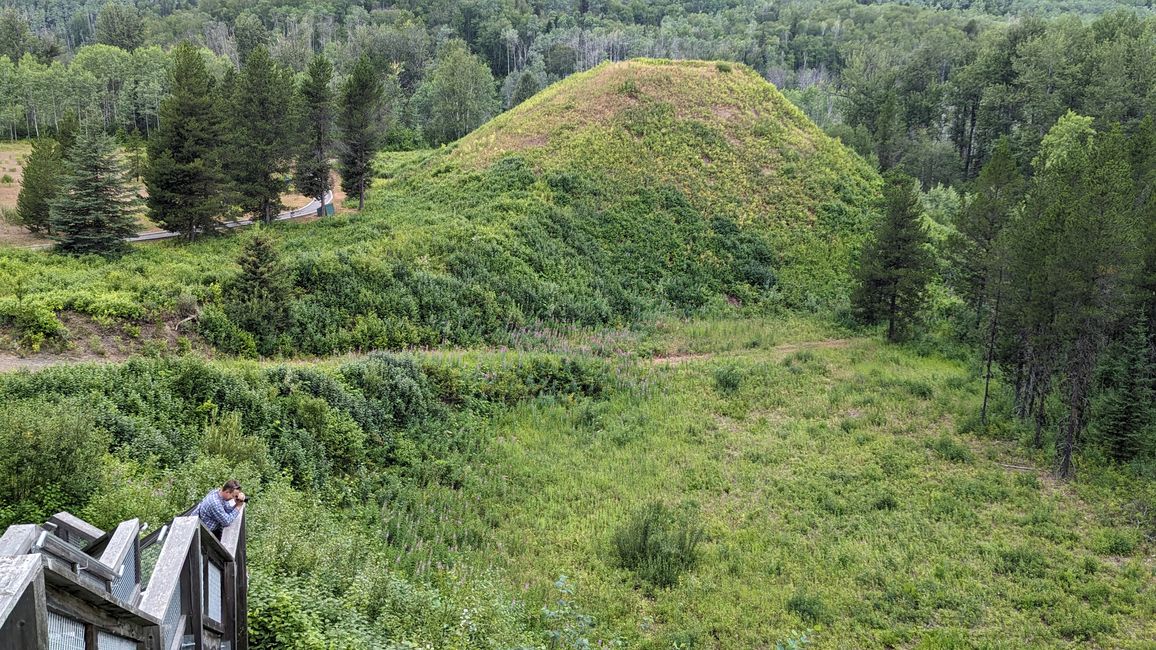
634,189
701,169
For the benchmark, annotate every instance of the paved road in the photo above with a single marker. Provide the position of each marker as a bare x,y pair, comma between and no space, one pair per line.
304,211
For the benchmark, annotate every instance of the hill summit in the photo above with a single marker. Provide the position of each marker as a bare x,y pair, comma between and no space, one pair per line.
749,165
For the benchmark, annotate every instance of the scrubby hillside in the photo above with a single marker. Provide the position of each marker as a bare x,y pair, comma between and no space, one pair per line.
633,189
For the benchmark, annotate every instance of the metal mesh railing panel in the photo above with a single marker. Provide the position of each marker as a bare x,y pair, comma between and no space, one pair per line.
213,593
64,633
125,585
106,641
172,617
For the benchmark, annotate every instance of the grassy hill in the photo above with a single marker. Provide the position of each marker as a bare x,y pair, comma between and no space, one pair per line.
635,188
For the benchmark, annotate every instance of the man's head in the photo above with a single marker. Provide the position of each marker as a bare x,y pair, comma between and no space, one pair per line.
231,489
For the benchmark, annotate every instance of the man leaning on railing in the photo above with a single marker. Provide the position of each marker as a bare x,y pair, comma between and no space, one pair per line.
221,507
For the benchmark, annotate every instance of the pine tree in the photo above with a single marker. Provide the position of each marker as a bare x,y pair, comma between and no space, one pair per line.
312,173
527,87
260,145
40,185
96,208
896,264
362,99
183,174
1123,413
257,299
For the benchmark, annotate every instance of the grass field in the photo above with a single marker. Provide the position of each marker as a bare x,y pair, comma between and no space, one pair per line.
838,504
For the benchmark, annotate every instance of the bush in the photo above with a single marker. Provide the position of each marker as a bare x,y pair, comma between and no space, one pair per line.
51,455
658,544
727,380
224,334
809,607
952,450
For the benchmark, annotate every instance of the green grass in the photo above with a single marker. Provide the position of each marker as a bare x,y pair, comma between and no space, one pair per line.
834,497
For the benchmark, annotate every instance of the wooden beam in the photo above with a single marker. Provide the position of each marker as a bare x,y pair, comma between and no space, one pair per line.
17,574
53,545
18,540
167,575
75,526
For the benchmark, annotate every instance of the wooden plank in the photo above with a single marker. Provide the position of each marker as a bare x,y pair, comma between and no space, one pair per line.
69,605
60,579
76,526
123,539
16,574
231,535
18,539
83,561
40,591
167,575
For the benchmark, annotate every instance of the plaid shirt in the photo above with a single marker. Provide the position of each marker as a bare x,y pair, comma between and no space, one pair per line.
215,512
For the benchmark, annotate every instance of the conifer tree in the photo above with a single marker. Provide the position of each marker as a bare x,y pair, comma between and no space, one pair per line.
260,143
362,99
96,208
41,183
257,299
1123,410
896,264
312,173
527,87
183,173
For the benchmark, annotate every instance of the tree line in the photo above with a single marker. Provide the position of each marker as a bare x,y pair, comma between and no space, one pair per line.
1053,261
223,147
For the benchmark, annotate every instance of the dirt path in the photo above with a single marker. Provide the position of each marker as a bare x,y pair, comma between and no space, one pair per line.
778,350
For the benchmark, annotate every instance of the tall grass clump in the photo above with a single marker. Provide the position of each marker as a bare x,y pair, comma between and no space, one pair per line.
658,543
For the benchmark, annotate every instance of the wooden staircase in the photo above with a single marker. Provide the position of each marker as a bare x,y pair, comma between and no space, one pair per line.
67,585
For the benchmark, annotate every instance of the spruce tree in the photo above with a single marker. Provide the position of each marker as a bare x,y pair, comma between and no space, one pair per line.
40,185
96,208
183,173
896,264
1123,413
257,299
312,173
359,121
527,87
260,144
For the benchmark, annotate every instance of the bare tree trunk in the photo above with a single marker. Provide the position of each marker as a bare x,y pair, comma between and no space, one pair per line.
991,350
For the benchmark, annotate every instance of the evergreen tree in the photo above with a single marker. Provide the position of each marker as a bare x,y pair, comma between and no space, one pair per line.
41,184
527,87
995,196
458,96
183,173
312,172
1123,410
96,208
250,34
67,131
260,143
257,299
362,99
896,264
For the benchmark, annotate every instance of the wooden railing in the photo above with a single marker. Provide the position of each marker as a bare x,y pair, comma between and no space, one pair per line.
67,575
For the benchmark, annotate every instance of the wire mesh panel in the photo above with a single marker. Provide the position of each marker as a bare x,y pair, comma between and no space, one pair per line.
64,633
213,593
125,585
172,617
106,641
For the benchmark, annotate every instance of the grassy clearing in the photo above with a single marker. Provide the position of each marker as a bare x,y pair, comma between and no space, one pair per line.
837,503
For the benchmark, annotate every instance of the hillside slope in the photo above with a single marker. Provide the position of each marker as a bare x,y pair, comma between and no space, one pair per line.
633,189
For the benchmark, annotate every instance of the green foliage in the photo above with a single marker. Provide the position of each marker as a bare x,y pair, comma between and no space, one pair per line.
120,25
312,170
258,152
896,266
659,544
51,457
258,298
809,607
727,380
361,102
183,175
458,95
40,185
95,209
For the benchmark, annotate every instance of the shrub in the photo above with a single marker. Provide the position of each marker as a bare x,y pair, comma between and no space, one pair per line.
952,450
727,380
809,607
723,66
1113,541
51,456
658,544
6,179
1021,561
223,334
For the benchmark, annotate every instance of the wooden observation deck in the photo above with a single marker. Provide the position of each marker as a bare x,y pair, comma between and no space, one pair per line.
67,585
